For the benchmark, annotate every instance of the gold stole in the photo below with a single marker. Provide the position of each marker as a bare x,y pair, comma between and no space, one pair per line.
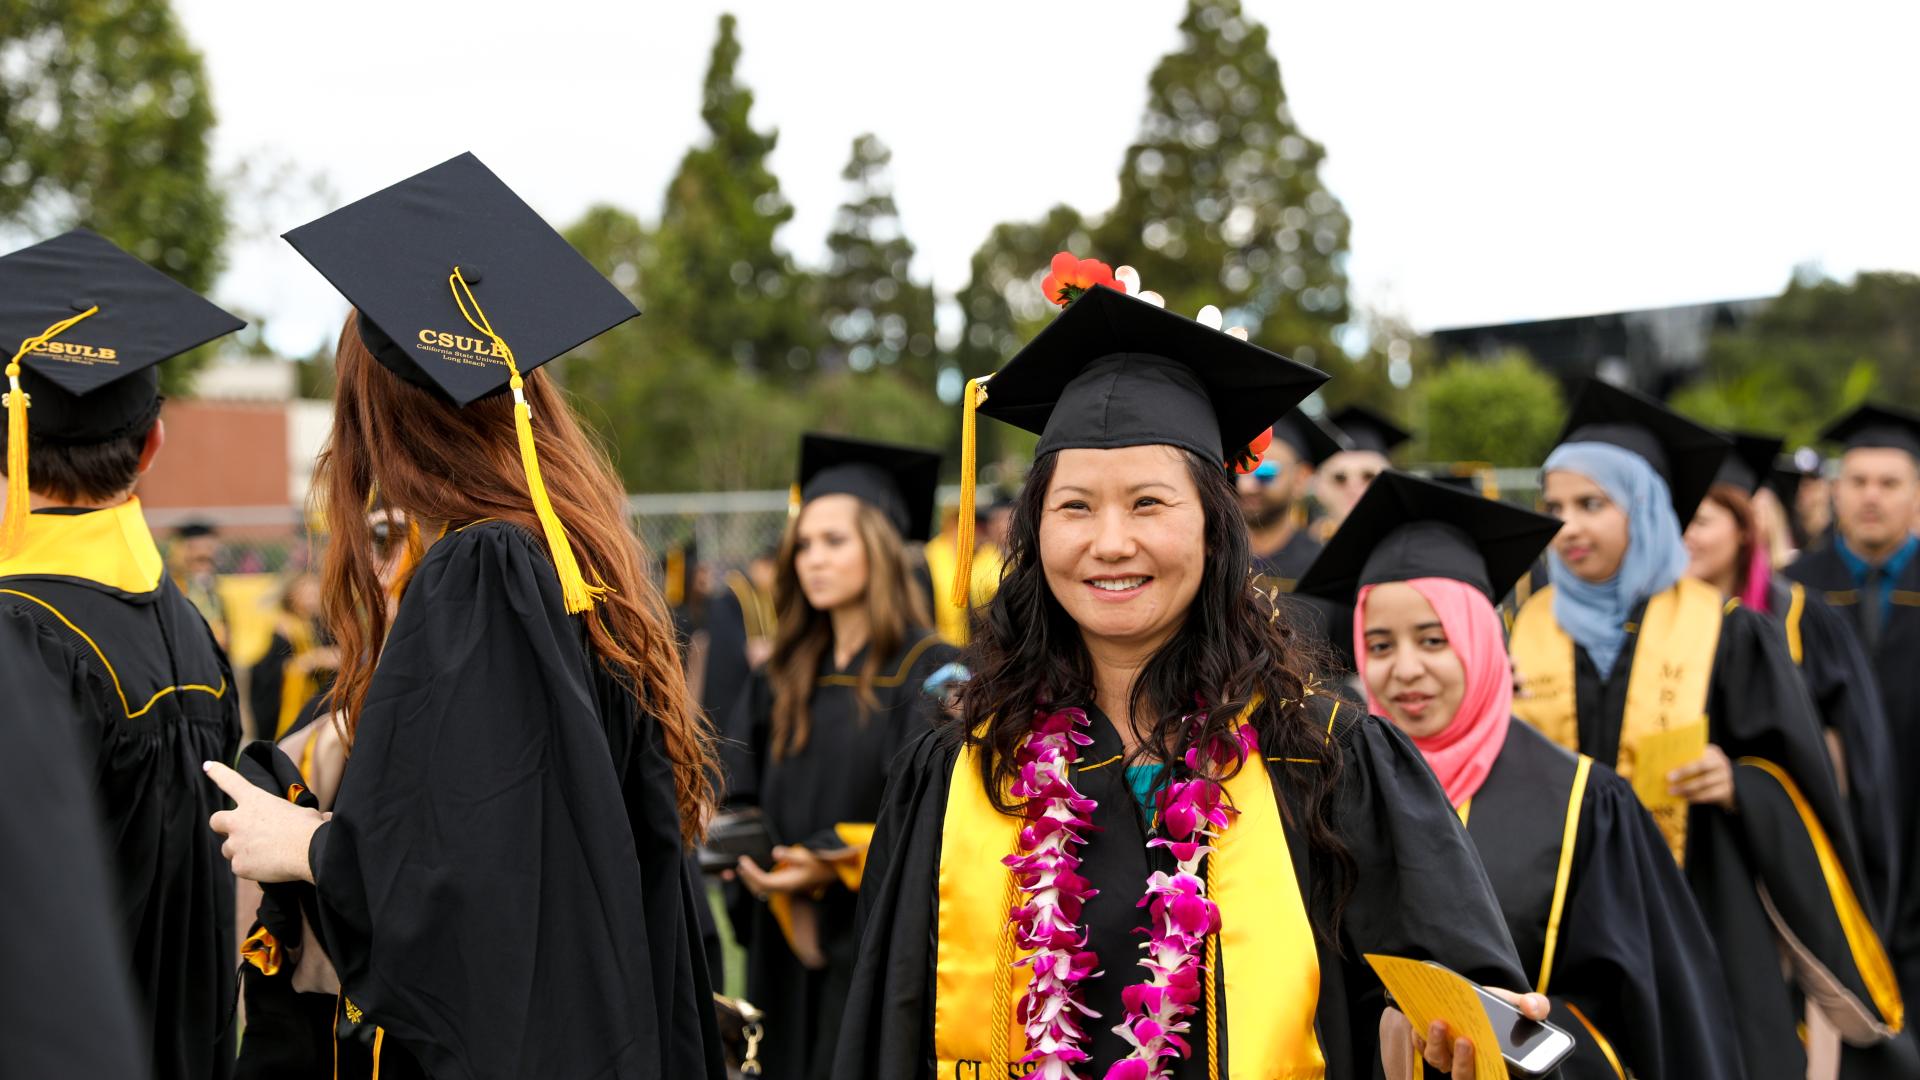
1667,687
296,688
1265,946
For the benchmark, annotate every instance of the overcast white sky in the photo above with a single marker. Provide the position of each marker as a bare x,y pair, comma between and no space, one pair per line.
1499,160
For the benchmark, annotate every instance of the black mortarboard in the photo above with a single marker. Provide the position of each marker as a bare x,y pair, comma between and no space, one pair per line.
391,255
461,287
1789,470
898,481
1876,426
96,380
1686,454
1751,462
1312,441
1369,429
1405,527
1113,370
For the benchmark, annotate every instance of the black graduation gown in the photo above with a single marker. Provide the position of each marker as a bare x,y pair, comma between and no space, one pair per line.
67,1005
265,682
839,776
134,672
1896,665
502,888
1756,705
1419,892
1840,678
1632,953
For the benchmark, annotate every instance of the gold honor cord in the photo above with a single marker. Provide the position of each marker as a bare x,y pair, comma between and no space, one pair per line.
579,595
961,592
14,526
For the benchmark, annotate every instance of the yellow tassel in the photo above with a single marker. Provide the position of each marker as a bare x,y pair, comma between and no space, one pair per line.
13,528
962,592
793,501
579,595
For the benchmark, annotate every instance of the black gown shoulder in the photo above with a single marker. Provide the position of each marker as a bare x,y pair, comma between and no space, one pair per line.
502,888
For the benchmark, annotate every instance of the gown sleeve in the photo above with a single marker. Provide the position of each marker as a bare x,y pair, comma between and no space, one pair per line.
1846,693
887,1029
69,1010
1418,889
479,887
1635,959
1789,829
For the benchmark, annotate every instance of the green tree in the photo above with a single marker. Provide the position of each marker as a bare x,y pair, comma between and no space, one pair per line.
876,314
1221,200
1820,348
713,268
105,120
1506,410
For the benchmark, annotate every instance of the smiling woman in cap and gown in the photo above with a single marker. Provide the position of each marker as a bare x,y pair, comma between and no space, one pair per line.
1134,705
845,689
501,886
1625,659
133,670
1600,914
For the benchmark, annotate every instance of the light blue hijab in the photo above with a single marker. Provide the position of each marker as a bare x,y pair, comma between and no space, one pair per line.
1595,616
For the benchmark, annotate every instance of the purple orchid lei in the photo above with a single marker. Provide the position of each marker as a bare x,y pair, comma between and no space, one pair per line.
1047,921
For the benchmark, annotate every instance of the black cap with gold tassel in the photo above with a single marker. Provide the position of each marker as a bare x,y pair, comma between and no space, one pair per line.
84,324
1115,369
464,291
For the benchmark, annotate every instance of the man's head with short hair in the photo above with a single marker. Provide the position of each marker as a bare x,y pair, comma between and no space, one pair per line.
1877,499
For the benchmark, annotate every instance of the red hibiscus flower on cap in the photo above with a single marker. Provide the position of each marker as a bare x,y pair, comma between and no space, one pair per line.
1249,457
1069,277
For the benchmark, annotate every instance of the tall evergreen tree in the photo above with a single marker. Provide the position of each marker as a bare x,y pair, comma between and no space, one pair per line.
714,269
876,314
106,122
1221,200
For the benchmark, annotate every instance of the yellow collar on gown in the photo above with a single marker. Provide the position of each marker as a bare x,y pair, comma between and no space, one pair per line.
111,547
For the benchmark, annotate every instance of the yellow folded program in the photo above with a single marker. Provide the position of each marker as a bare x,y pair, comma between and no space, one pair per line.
1427,992
1661,752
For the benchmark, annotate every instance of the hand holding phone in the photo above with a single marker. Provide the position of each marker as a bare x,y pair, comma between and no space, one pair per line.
1432,996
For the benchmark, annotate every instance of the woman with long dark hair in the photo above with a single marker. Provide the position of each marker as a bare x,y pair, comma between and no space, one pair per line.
1726,548
501,885
1600,914
1695,700
1150,846
844,690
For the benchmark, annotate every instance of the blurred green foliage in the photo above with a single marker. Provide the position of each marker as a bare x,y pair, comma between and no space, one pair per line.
1504,411
105,122
1821,348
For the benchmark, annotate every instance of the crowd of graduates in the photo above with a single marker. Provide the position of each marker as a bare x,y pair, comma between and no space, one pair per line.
1153,765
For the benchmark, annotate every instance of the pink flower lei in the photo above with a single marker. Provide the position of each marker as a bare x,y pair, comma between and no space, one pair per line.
1046,920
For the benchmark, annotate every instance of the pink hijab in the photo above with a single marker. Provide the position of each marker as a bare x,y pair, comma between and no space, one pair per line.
1462,754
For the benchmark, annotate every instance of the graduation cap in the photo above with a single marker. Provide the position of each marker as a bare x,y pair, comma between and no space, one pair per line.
462,290
1686,454
1876,426
85,324
1405,527
1369,429
1115,370
1312,441
1789,470
898,481
1751,463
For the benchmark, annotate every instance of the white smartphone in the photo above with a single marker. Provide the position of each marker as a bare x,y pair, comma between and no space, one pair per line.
1530,1047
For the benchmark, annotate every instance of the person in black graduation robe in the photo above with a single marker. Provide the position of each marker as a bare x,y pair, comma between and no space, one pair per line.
501,887
1606,926
1418,892
133,670
836,779
67,1004
1784,862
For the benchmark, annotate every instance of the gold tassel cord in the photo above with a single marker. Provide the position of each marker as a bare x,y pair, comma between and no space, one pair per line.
13,528
579,595
962,592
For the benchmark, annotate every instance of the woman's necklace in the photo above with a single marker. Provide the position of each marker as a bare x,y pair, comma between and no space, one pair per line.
1053,894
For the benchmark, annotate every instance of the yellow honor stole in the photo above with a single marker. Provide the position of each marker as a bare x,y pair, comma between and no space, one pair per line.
1666,689
1264,950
